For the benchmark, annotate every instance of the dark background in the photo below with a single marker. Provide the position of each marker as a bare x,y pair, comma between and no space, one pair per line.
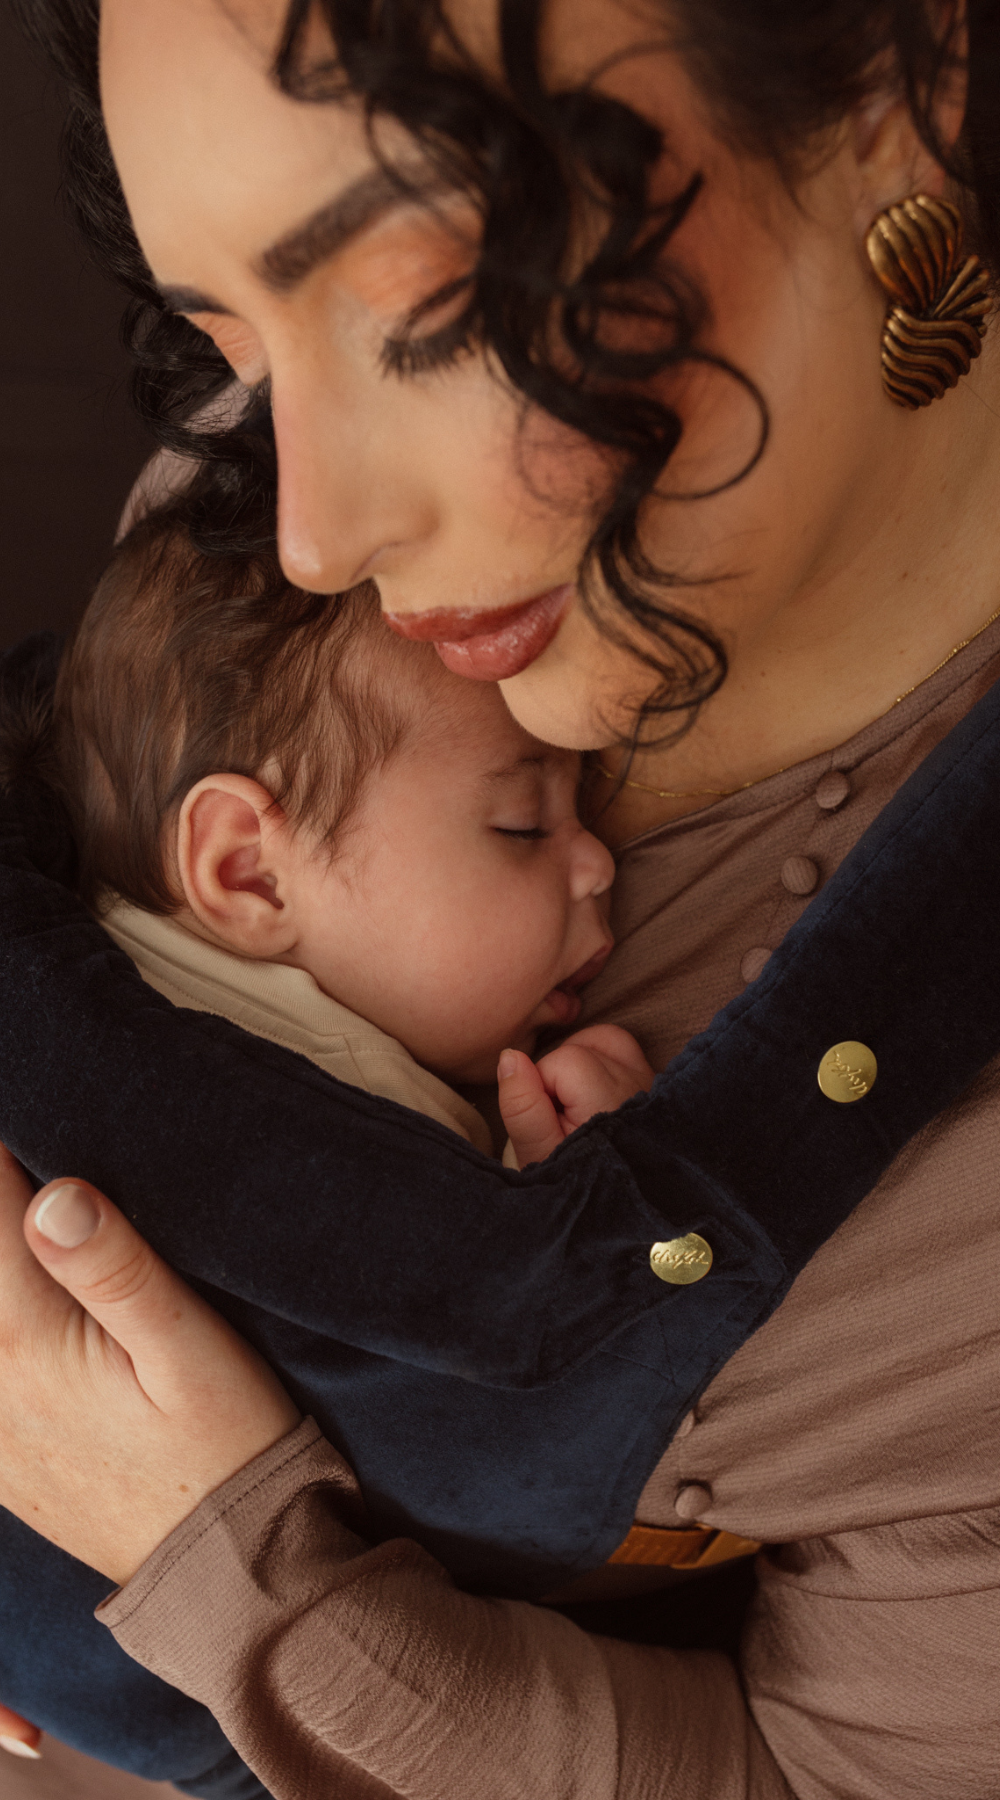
69,447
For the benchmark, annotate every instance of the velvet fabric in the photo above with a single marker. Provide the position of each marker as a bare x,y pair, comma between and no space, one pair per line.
490,1349
55,1669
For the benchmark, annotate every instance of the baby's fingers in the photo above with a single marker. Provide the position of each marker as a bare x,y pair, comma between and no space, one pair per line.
616,1048
532,1122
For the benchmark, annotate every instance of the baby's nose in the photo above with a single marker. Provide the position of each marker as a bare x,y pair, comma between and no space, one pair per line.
593,867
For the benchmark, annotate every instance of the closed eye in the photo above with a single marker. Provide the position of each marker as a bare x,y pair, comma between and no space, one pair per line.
410,355
530,832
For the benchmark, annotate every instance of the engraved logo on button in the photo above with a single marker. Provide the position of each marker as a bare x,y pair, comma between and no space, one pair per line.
681,1260
847,1072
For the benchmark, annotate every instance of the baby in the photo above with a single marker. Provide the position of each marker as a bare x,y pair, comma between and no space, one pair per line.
289,817
293,819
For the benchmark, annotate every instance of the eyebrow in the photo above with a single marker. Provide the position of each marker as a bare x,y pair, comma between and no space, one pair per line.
326,232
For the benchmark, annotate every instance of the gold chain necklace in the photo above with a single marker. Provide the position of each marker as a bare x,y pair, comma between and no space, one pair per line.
727,793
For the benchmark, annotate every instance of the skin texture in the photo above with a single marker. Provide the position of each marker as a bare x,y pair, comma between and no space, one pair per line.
848,563
595,1070
860,550
173,1384
466,890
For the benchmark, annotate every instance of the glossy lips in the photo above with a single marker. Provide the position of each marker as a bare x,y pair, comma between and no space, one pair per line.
493,645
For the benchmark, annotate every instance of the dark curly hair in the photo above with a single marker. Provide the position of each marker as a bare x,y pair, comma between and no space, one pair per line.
779,74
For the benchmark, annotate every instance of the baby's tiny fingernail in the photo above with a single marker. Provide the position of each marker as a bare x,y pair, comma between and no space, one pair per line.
67,1217
14,1747
507,1065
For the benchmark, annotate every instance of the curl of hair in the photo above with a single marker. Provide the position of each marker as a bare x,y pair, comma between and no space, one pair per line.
593,345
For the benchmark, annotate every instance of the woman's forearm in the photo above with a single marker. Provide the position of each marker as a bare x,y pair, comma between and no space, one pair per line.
335,1667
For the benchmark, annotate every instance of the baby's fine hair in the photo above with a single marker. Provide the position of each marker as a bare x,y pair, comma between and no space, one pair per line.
188,664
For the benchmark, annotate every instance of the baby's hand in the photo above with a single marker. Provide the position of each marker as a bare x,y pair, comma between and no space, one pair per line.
592,1072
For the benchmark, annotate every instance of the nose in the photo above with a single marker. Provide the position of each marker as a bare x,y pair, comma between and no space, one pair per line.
347,500
592,867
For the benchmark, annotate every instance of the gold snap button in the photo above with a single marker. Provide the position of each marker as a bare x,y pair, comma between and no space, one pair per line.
681,1260
847,1071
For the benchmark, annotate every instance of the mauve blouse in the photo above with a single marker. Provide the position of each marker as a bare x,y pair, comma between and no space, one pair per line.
854,1435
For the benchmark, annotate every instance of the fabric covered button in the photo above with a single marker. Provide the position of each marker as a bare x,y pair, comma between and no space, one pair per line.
692,1499
832,790
687,1424
755,962
799,874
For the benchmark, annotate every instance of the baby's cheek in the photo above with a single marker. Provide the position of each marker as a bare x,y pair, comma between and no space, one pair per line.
533,934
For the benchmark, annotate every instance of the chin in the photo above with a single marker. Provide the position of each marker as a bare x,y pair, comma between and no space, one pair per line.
481,1071
584,690
477,1072
558,711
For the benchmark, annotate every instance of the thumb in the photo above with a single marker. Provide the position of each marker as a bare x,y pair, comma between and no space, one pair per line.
140,1399
171,1336
527,1111
17,1737
97,1256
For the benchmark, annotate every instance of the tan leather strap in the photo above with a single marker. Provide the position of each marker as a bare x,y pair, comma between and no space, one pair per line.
698,1547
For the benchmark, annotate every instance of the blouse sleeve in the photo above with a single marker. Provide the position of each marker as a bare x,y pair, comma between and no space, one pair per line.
339,1668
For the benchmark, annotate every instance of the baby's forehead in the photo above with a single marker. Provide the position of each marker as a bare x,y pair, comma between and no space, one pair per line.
476,732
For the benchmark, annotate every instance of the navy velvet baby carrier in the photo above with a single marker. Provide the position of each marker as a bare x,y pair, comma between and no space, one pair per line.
490,1349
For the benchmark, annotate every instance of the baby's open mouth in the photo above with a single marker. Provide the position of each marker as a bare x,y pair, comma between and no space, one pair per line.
564,1000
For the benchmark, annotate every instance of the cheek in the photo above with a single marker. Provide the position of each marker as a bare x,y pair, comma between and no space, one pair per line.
524,911
790,308
565,474
495,931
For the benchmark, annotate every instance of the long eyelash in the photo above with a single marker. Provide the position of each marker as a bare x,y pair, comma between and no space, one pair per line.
534,832
419,356
409,355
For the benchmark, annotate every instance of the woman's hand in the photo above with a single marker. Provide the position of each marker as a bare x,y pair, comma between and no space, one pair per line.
124,1399
17,1737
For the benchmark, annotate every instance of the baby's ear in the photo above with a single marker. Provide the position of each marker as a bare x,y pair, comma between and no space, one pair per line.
233,853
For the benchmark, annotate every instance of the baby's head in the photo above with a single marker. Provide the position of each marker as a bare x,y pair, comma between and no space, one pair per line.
299,785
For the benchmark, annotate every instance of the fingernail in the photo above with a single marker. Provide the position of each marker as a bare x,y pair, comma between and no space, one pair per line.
67,1217
507,1065
14,1747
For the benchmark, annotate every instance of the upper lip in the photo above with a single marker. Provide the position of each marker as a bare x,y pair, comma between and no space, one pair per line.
588,970
447,625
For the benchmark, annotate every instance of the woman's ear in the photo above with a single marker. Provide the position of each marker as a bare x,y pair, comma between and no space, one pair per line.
234,861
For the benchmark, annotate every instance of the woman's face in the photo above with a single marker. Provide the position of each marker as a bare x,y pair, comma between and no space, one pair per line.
268,223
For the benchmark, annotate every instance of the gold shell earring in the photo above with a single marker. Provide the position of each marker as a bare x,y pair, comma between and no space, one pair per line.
934,329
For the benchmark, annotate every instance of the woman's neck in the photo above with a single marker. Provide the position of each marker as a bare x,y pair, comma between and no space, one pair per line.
912,570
